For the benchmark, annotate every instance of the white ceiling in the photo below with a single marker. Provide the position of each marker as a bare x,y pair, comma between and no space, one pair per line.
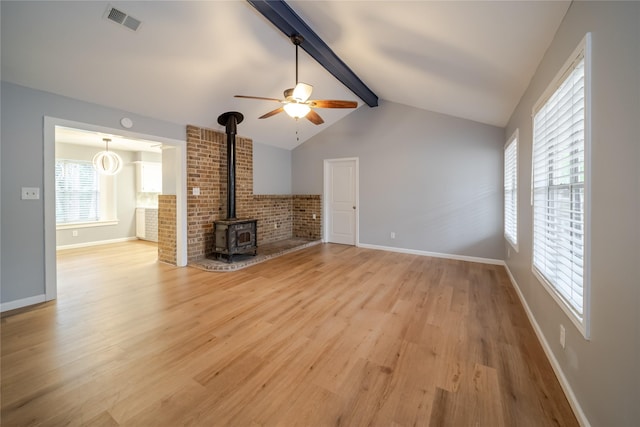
467,59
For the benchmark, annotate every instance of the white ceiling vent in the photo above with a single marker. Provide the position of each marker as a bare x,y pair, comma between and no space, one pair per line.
119,17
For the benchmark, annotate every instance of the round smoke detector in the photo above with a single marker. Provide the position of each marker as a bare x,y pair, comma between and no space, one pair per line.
126,122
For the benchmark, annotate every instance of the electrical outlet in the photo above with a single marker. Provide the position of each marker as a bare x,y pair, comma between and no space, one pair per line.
74,233
508,252
195,191
275,226
314,216
562,336
393,235
30,193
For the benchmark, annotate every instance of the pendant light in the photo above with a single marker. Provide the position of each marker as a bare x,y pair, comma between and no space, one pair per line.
107,162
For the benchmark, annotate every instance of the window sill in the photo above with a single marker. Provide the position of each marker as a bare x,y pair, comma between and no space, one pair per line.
86,224
514,246
581,323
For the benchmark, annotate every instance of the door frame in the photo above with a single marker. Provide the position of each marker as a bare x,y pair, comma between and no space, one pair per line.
326,190
49,131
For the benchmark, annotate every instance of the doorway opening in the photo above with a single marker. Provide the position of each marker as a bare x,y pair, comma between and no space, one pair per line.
96,206
112,215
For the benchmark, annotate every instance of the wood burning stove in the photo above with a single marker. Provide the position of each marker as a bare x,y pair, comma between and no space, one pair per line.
232,235
235,236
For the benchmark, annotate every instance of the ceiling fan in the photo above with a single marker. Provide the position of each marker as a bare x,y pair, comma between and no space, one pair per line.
296,102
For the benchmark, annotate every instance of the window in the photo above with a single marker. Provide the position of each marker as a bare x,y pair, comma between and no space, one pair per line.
77,192
84,198
559,184
511,191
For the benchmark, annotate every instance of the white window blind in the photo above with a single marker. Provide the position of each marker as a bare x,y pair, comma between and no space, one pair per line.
77,192
511,191
559,190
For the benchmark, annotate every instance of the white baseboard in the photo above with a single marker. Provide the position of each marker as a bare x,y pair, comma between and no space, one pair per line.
433,254
564,383
96,243
19,303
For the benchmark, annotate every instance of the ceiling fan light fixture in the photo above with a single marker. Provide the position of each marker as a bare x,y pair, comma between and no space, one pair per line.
107,162
296,110
302,92
296,102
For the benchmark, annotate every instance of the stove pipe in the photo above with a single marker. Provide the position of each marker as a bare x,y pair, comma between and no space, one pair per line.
230,120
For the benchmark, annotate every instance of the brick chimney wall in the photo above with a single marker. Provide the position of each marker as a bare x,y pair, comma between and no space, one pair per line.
279,216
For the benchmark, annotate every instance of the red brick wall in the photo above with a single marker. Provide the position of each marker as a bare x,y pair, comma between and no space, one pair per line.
304,209
167,241
274,217
203,172
207,170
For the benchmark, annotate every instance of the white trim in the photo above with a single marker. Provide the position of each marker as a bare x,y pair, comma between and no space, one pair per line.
49,183
71,225
181,205
95,243
19,303
562,379
433,254
515,137
586,285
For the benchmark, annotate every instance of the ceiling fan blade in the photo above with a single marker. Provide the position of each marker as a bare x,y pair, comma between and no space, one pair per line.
302,92
332,103
257,97
314,118
272,113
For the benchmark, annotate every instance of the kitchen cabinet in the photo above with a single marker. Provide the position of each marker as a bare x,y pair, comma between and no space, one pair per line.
149,177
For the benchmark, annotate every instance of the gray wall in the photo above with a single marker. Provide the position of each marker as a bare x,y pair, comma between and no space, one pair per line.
433,179
125,187
603,372
23,110
271,170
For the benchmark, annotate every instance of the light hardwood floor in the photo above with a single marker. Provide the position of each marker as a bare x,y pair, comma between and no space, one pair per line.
329,335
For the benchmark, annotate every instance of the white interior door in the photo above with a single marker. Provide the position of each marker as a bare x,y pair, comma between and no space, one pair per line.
341,196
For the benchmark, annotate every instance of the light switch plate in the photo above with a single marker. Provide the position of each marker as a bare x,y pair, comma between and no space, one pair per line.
30,193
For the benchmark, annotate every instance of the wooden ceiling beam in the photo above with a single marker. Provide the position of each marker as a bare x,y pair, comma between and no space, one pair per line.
286,20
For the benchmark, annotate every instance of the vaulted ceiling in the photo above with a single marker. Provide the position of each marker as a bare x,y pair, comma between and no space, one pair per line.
188,59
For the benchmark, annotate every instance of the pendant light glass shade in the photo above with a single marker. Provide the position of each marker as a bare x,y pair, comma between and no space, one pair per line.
107,162
297,111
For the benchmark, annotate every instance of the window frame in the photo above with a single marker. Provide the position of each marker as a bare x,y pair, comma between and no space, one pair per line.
582,51
106,200
512,140
76,164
